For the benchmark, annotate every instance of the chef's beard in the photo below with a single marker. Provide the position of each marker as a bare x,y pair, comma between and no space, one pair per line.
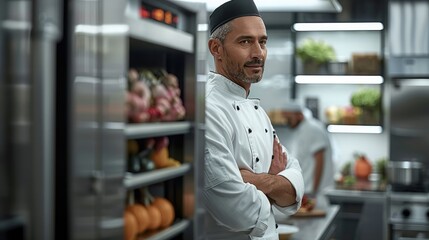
236,71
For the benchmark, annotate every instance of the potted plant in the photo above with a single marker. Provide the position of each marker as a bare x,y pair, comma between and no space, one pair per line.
315,55
369,100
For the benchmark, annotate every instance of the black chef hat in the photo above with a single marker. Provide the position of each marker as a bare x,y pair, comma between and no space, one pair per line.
231,10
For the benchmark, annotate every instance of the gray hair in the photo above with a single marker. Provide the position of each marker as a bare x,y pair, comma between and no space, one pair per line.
221,32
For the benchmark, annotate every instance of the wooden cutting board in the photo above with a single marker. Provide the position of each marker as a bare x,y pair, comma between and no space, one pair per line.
312,213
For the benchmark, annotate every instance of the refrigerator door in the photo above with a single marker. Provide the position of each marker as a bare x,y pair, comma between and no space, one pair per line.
99,59
29,32
409,118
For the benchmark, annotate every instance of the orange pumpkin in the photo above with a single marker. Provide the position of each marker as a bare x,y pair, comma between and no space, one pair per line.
154,217
362,167
141,215
130,226
166,209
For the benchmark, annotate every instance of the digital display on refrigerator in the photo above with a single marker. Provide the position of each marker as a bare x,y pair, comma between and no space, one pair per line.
158,14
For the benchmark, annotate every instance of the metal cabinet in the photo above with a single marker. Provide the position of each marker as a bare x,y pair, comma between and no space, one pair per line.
62,125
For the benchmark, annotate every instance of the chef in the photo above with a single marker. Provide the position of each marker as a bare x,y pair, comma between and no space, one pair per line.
308,140
247,171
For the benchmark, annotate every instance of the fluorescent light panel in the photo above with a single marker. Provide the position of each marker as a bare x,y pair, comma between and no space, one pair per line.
357,26
354,129
283,6
203,27
338,79
108,29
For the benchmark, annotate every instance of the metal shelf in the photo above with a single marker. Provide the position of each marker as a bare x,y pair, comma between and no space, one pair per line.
133,181
170,232
143,29
145,130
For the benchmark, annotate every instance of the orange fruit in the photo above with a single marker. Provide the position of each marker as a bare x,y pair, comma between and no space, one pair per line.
130,226
166,209
141,215
154,217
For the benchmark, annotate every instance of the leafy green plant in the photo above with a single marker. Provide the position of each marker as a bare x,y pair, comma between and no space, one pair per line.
368,98
317,51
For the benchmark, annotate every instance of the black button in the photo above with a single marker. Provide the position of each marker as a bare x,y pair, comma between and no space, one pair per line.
257,159
250,130
256,107
266,130
272,157
277,226
238,108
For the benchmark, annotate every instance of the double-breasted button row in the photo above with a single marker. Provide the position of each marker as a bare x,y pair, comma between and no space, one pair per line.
256,108
250,130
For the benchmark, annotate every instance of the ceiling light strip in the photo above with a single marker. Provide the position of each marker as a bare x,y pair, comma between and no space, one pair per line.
283,6
338,79
356,26
354,129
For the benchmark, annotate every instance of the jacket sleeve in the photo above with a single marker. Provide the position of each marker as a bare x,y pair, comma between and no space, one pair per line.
236,205
294,175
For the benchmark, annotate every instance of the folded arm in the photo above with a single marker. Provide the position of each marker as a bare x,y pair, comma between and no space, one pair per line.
277,188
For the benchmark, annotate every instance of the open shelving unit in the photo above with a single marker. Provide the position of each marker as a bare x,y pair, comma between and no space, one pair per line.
172,47
346,38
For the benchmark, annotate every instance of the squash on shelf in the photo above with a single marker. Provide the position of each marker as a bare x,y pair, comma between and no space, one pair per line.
162,210
139,212
130,226
166,209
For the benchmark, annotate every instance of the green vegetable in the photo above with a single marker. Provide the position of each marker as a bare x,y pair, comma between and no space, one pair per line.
346,169
381,165
368,98
317,51
349,180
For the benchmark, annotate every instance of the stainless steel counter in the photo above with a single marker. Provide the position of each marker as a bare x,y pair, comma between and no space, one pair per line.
356,194
314,228
362,213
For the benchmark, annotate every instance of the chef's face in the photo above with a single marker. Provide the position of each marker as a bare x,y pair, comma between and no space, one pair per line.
244,51
292,118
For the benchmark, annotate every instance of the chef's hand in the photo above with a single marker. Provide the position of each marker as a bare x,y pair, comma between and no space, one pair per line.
279,161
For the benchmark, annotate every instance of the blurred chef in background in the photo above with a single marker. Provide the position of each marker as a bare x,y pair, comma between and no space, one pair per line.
308,140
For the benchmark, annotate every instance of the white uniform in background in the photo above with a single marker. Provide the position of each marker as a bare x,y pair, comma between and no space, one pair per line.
303,142
239,135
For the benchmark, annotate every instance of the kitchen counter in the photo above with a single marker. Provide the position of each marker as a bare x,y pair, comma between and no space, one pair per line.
356,194
314,228
362,213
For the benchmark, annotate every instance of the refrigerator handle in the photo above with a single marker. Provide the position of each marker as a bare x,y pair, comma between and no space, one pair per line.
45,31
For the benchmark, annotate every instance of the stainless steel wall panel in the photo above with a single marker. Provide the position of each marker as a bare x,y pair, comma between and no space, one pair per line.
409,115
113,11
112,159
100,58
4,166
114,58
16,53
85,122
45,32
83,161
114,61
85,42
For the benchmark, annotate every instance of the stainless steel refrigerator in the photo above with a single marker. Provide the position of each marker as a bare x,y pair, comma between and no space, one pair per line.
63,67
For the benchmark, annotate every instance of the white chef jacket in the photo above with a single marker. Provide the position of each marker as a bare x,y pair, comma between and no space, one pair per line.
239,135
303,142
